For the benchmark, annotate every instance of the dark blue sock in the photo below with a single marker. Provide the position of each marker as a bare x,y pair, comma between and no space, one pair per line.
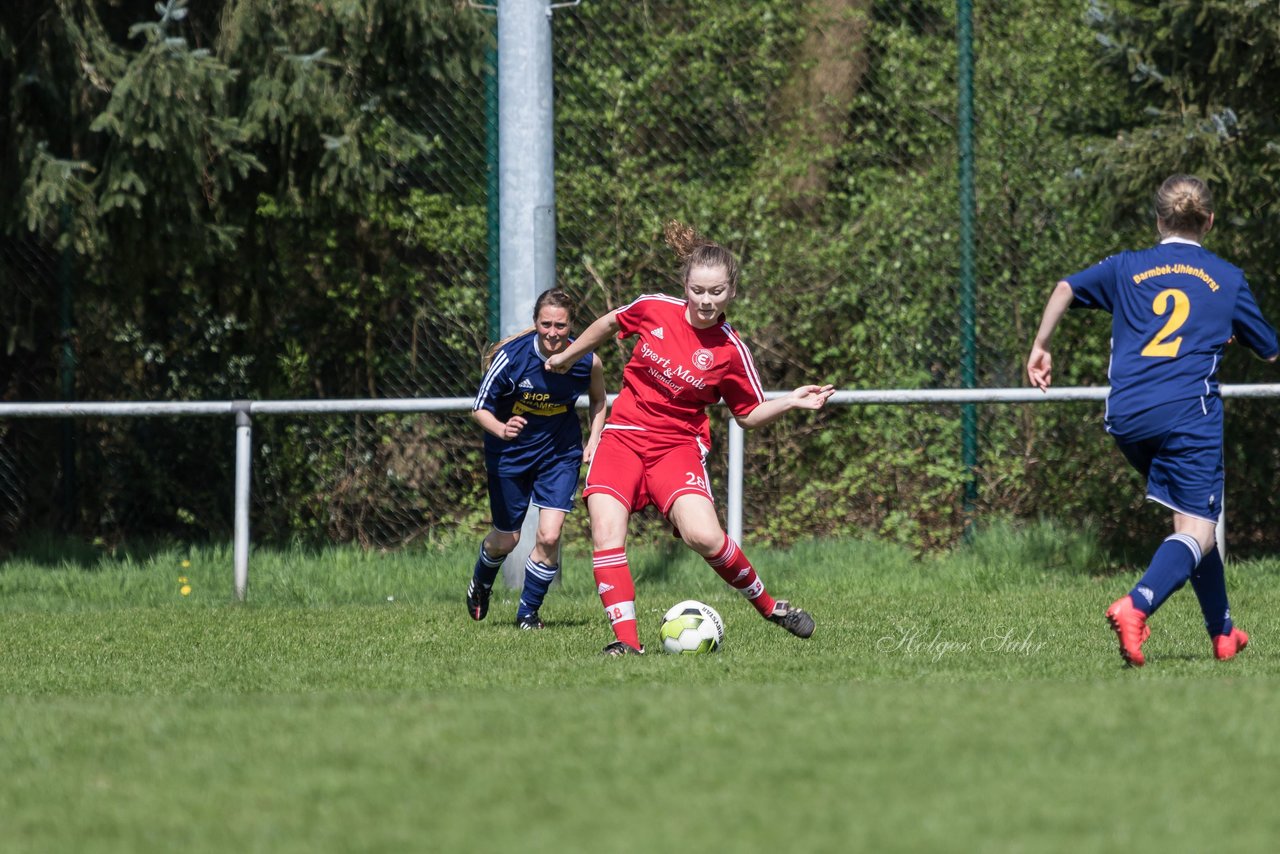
1170,567
537,578
486,569
1210,583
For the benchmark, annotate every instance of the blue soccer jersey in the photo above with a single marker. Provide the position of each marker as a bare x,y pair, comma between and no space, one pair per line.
518,384
1174,307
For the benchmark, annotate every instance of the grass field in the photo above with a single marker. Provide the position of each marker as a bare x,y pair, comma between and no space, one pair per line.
973,702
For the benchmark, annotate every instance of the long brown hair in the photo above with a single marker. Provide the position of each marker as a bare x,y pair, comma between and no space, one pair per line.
553,297
694,250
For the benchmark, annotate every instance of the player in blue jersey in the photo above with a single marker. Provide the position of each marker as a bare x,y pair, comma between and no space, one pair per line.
1174,308
533,449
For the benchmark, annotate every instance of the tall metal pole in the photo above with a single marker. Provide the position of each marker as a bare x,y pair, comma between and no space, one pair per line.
733,517
491,187
969,414
526,159
526,187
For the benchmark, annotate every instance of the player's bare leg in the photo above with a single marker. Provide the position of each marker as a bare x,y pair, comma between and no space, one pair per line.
694,516
1210,585
1172,565
540,568
496,546
617,590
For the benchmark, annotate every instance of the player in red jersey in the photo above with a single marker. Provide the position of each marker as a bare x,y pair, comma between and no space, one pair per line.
655,442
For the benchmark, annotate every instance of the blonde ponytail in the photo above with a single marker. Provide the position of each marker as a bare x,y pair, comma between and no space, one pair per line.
694,250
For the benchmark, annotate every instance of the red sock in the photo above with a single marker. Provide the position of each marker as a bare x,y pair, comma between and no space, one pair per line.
732,565
617,593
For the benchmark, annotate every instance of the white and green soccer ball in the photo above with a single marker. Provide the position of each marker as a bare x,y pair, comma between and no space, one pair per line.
691,628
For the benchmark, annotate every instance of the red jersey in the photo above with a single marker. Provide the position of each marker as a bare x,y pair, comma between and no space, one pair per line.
677,370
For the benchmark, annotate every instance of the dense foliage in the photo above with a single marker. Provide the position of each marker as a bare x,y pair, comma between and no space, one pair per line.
278,198
248,214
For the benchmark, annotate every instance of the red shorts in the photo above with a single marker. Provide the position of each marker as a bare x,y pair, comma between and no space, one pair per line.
640,468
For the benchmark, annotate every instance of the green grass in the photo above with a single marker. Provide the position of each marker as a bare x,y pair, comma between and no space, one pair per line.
973,702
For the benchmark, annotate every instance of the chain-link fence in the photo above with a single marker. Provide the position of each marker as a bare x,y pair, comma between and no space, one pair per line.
29,451
391,480
816,138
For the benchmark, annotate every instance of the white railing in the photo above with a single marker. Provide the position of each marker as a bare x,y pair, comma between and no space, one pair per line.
244,410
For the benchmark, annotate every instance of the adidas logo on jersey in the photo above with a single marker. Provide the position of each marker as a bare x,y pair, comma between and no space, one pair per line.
524,383
656,333
603,588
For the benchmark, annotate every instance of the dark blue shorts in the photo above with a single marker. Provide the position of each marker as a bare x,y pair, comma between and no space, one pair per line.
551,485
1183,464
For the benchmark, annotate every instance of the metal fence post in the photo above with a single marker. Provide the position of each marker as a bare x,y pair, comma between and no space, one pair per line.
244,452
526,190
968,346
1220,529
737,441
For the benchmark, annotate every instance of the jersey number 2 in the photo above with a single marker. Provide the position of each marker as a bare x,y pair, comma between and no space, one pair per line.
1161,345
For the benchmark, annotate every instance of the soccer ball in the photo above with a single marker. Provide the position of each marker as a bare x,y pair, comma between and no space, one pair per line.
691,628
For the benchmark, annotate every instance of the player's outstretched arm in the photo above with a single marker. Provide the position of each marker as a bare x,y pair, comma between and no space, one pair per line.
1251,329
597,333
599,403
1040,362
1040,367
805,397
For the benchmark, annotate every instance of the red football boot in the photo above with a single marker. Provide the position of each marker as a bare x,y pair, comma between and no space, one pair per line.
1130,626
1226,646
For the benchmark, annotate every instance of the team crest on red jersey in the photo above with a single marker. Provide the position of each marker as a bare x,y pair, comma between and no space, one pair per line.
703,359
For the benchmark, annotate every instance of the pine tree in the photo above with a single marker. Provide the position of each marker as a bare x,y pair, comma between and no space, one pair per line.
1203,76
